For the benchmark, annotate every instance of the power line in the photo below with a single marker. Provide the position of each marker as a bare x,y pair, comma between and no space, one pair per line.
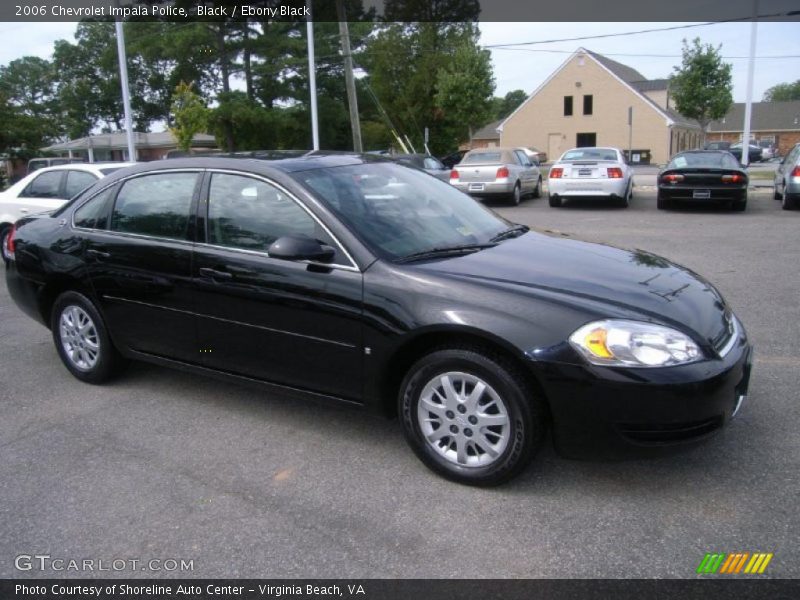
641,55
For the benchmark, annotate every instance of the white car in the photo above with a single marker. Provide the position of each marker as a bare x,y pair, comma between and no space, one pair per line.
591,173
47,189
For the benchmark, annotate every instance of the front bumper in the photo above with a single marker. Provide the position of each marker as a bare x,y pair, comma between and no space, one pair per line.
603,412
575,187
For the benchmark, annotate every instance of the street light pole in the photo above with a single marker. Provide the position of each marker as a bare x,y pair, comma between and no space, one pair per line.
312,79
126,94
748,106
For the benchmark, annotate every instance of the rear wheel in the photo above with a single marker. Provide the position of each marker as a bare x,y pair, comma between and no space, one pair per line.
516,195
788,202
82,340
740,205
471,416
663,203
555,201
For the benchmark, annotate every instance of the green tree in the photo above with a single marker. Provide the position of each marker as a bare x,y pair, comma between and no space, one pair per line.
783,92
464,88
701,87
189,115
502,107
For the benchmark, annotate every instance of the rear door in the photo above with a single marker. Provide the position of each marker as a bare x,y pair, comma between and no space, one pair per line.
138,254
293,323
526,170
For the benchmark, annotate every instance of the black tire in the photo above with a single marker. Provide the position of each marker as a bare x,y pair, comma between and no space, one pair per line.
525,415
663,203
5,230
624,202
776,195
740,205
555,201
516,195
107,361
788,202
537,192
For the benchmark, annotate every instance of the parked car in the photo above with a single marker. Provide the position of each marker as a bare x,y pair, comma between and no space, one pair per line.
591,173
357,280
47,189
35,164
755,153
537,156
497,173
429,164
703,175
718,146
768,150
787,180
452,159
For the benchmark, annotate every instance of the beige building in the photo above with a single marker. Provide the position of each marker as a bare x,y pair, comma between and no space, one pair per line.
587,101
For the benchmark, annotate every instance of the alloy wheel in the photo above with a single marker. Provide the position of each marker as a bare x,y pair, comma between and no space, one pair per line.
79,337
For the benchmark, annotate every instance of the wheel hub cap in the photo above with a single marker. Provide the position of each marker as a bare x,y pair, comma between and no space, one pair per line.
463,419
79,338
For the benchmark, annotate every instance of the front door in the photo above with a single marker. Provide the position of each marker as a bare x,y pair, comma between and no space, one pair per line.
288,322
553,146
138,257
584,140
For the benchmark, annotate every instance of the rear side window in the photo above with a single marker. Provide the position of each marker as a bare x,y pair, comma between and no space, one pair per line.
155,205
251,214
94,214
46,185
78,181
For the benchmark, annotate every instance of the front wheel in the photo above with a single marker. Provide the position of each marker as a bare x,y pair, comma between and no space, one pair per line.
537,192
5,234
82,340
471,416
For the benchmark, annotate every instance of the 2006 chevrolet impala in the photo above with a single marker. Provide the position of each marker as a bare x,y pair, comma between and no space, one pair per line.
364,281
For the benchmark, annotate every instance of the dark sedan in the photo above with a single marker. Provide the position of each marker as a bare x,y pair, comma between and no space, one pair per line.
703,176
357,280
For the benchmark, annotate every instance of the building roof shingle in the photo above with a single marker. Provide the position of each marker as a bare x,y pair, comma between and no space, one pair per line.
488,132
765,116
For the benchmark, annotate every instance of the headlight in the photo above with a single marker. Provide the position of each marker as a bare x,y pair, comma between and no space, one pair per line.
634,344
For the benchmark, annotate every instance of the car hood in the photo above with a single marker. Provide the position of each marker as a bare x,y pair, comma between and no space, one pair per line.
611,281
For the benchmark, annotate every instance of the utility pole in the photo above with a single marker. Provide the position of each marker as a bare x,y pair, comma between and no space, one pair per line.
126,94
748,105
350,83
630,135
312,79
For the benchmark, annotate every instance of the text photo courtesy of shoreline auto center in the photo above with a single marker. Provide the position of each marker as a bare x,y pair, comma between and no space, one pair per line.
399,299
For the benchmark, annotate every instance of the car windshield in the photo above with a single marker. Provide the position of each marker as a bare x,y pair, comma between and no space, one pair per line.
481,157
398,211
589,154
703,160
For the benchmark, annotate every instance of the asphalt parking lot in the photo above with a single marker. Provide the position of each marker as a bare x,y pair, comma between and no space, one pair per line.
165,465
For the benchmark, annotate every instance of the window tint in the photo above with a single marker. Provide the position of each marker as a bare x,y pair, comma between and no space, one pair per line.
712,160
157,205
78,181
481,157
588,104
46,185
567,106
94,214
251,214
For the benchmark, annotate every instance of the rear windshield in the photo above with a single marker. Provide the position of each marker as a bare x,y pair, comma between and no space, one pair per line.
590,154
481,157
703,160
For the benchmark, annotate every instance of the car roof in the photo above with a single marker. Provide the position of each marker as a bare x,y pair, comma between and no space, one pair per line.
90,167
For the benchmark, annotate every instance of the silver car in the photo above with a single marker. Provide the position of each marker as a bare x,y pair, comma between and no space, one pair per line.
497,172
787,180
591,173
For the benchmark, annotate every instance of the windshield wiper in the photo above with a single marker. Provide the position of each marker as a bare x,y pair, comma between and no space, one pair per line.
512,232
443,252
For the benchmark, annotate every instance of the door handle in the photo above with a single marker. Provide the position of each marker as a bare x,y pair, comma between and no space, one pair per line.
98,253
214,274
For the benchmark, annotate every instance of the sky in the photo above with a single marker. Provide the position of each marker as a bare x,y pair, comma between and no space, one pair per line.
652,54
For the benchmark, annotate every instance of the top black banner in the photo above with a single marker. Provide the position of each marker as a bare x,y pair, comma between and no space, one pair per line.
404,10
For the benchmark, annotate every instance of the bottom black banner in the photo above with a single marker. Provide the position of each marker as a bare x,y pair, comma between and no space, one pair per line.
390,589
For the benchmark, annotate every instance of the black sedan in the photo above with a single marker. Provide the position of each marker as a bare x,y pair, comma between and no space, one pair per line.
357,280
703,175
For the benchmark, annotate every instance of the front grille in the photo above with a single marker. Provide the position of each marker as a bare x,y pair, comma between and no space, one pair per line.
653,434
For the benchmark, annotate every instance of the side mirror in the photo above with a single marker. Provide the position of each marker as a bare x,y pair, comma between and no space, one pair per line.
300,247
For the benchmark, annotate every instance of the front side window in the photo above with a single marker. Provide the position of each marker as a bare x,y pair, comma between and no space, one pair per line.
156,205
46,185
251,214
78,181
